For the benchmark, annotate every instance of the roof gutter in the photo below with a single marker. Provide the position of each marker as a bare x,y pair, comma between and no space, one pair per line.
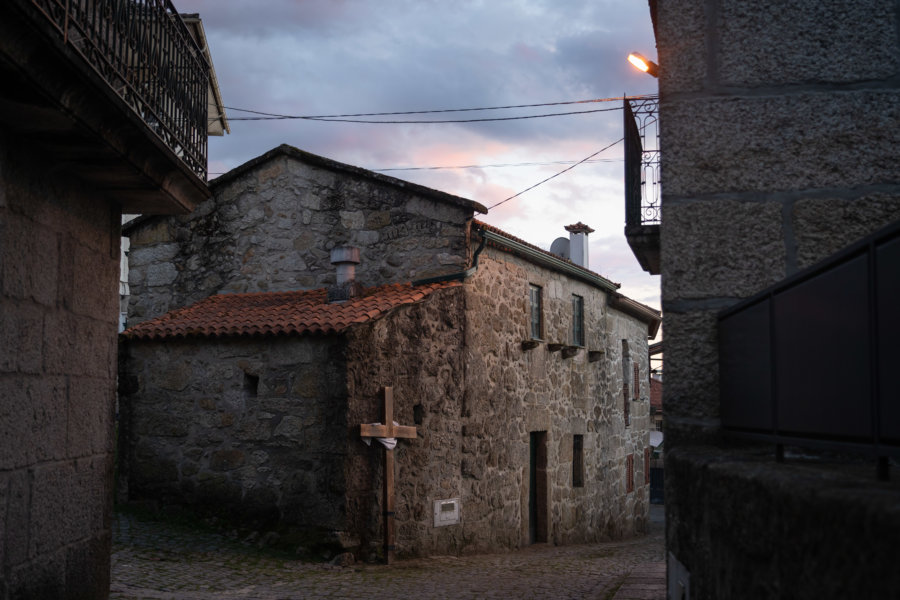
549,261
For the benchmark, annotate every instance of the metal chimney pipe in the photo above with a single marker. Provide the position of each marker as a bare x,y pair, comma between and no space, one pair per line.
345,259
578,243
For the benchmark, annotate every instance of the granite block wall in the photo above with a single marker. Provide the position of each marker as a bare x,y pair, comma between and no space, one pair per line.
512,392
778,148
418,350
58,320
249,427
271,225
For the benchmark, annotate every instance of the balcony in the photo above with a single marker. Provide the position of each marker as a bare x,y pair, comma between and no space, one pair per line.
810,361
113,91
642,190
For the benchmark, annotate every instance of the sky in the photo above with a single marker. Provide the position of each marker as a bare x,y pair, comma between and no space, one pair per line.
327,57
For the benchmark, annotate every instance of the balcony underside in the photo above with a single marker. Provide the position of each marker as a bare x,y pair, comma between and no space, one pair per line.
644,242
59,105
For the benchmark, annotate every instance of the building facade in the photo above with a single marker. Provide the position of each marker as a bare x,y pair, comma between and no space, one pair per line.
75,150
778,149
525,374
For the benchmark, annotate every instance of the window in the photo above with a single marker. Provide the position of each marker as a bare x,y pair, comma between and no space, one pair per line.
577,320
537,308
629,473
626,375
637,381
251,386
577,461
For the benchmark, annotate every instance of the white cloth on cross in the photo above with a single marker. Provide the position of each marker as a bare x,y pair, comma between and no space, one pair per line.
389,443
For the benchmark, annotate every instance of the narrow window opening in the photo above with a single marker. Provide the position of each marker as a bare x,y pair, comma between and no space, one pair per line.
577,461
626,375
577,320
251,385
537,308
637,381
418,414
629,473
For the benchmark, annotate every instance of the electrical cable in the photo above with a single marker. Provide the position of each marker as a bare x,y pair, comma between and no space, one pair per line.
420,122
557,174
443,110
497,166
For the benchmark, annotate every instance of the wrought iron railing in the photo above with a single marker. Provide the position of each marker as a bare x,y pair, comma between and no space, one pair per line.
810,361
146,54
642,197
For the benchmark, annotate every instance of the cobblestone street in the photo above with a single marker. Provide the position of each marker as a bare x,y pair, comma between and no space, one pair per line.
153,560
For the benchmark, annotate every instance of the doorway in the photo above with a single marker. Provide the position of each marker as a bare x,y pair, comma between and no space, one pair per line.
537,488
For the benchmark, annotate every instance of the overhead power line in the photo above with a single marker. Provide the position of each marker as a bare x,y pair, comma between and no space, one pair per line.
498,166
354,117
494,166
584,160
423,121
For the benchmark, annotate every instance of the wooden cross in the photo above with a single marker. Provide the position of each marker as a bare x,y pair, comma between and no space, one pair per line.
388,430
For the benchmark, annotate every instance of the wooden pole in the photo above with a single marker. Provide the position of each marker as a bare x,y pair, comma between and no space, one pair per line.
388,430
388,480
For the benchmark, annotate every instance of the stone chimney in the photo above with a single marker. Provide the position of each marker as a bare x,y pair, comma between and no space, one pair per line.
578,243
345,258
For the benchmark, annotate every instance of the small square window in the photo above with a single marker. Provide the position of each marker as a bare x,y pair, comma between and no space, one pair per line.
537,307
577,320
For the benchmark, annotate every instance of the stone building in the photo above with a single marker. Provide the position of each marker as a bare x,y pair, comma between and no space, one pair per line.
778,150
77,145
525,374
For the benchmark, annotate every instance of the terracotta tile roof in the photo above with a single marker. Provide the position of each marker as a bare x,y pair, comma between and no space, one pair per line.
280,313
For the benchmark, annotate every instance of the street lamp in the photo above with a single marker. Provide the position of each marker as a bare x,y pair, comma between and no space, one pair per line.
644,64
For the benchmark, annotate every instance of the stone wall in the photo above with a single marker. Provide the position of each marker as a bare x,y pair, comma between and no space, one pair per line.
418,350
250,427
59,256
778,147
511,392
272,223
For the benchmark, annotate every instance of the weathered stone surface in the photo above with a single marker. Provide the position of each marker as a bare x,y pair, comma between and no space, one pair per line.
769,143
241,452
19,278
770,43
824,226
297,212
21,345
58,317
797,114
707,487
692,373
721,248
90,412
681,29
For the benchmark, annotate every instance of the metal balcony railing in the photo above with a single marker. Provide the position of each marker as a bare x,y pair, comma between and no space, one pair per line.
642,198
145,53
810,361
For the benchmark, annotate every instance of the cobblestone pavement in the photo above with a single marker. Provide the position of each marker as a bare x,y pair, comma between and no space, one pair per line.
161,562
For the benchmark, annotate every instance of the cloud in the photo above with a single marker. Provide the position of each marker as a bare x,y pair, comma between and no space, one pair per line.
334,57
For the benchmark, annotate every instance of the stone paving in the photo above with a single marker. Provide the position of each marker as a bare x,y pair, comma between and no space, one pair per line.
157,561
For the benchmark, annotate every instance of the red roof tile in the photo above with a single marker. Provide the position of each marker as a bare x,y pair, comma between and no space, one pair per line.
274,313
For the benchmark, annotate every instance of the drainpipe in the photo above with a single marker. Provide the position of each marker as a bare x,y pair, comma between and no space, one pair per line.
461,275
